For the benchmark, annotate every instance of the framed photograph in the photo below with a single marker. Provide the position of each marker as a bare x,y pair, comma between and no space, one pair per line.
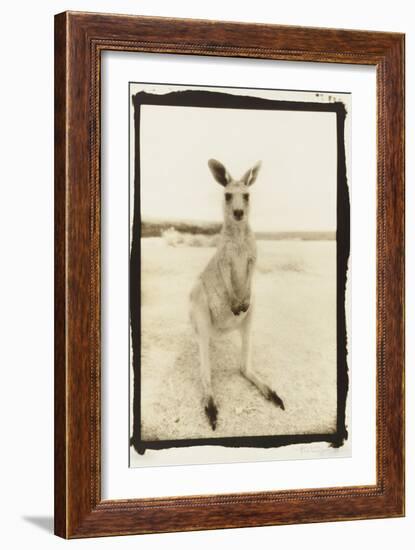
229,275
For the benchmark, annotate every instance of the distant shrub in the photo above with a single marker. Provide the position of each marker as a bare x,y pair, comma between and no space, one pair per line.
172,237
176,238
292,265
284,264
157,228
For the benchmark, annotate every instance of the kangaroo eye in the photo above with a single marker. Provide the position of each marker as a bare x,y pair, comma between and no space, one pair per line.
246,197
228,197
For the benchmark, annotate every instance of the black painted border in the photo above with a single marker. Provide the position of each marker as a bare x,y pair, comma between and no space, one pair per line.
220,100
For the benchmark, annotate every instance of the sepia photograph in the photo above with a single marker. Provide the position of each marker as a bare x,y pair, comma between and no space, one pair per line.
239,258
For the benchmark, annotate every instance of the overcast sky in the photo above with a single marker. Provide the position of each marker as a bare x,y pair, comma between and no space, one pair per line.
295,189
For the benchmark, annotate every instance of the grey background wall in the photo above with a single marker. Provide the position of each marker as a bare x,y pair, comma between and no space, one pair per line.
26,299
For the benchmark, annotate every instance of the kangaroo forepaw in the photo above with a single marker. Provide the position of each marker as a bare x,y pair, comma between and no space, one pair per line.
237,309
211,413
276,399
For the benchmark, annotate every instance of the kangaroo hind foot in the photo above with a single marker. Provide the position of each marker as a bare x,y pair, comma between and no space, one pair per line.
211,413
272,396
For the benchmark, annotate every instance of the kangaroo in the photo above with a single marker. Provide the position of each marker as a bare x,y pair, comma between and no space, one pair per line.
222,298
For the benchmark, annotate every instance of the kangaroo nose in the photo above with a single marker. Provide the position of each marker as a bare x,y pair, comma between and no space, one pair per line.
238,214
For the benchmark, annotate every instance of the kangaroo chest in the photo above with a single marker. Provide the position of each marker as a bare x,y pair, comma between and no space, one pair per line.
242,258
232,264
239,270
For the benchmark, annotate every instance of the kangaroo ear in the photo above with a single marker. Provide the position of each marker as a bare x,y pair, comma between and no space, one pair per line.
250,177
219,172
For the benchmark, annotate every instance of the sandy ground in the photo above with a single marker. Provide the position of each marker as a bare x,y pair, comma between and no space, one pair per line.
294,344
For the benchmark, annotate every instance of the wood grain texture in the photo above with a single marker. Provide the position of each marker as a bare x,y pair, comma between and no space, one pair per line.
60,276
79,40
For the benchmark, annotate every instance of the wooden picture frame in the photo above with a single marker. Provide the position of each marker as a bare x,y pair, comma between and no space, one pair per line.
79,40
